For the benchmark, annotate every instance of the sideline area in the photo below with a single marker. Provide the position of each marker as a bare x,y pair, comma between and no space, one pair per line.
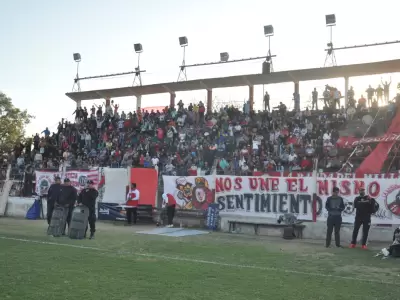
121,264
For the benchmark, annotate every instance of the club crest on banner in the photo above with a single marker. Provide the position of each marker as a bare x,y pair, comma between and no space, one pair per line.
349,208
82,180
44,185
43,182
392,199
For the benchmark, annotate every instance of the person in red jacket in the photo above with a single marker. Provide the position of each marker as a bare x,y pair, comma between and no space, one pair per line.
170,202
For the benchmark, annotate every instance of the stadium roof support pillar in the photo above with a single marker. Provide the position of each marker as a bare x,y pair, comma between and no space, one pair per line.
78,103
138,102
346,90
209,101
251,98
296,96
172,100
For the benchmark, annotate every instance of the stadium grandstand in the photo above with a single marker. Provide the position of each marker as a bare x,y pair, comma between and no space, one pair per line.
190,139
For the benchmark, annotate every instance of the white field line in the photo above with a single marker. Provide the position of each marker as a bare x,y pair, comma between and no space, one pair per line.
200,261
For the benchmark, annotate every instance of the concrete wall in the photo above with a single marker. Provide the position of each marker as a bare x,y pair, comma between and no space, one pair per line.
313,230
19,206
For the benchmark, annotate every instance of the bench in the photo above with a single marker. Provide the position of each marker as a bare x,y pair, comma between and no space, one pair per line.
183,218
298,227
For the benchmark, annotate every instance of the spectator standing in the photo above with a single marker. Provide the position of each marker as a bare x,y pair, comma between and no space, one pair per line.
170,203
132,203
335,206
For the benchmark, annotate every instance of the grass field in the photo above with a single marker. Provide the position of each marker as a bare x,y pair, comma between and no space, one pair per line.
120,264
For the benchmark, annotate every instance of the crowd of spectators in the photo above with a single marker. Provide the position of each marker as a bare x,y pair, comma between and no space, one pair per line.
186,140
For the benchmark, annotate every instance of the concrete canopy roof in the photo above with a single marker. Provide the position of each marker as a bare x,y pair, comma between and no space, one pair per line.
391,66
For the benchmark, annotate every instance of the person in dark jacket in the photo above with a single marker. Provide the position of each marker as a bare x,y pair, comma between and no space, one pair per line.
67,198
335,206
88,198
365,206
52,195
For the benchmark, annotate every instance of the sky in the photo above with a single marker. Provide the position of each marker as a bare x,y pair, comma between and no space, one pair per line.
39,38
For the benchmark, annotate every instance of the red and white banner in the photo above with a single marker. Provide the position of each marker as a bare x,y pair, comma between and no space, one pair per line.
78,179
351,142
191,192
270,197
265,196
385,191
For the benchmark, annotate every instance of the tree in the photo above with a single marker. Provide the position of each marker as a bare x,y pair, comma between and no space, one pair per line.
12,124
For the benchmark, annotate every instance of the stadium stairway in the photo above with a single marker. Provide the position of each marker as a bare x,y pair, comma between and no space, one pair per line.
373,163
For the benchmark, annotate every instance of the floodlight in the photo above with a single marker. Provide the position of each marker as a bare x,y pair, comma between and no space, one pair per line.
269,30
77,57
224,56
330,20
183,41
138,48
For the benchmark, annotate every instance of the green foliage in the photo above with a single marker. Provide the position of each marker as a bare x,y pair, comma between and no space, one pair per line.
12,124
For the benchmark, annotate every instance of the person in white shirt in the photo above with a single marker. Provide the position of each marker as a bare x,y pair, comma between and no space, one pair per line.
99,123
20,161
292,156
303,131
88,140
336,98
121,125
155,161
169,203
327,136
132,203
245,167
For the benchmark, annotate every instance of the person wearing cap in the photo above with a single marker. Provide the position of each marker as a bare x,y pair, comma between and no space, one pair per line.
335,206
170,203
132,203
67,198
52,195
88,198
365,206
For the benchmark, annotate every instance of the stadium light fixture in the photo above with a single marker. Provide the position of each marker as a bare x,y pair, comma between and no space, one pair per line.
77,85
268,30
330,20
224,56
138,48
77,57
183,41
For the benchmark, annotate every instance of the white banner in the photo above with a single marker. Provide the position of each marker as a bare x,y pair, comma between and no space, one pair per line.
192,192
115,182
273,196
385,191
78,179
265,196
